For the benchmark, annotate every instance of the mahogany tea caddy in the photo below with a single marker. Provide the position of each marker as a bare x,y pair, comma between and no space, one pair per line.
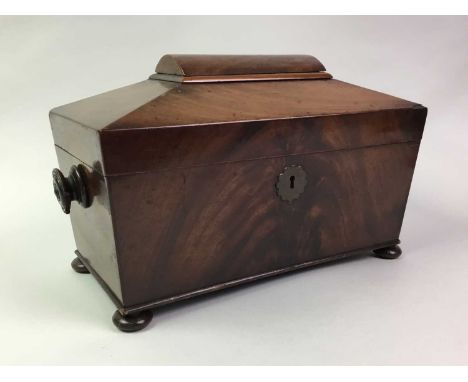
222,170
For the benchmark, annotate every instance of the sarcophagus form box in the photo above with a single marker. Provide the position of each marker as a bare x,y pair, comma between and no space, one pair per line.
221,170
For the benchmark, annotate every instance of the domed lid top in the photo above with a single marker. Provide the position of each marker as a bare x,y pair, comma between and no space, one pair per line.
228,68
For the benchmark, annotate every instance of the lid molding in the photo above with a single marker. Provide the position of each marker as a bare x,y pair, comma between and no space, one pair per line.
227,68
241,77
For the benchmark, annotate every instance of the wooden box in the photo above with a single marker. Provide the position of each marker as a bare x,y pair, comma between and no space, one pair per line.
221,170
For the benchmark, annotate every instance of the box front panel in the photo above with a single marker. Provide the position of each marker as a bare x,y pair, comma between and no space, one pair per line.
186,229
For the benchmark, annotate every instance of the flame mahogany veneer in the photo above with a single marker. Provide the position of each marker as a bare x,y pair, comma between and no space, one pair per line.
221,170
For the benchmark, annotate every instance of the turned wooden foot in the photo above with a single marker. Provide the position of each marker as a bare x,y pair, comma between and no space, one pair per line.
392,252
132,322
78,266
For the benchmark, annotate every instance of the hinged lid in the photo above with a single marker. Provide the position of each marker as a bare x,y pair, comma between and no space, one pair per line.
239,111
229,68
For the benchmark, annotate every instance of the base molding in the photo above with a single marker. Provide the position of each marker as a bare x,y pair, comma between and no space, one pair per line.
126,310
136,317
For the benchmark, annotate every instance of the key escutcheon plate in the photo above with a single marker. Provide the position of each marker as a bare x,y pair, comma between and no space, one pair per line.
291,183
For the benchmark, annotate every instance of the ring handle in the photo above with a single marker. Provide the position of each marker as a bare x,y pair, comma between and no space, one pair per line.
71,188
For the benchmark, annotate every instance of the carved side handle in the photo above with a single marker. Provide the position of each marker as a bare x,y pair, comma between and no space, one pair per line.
71,188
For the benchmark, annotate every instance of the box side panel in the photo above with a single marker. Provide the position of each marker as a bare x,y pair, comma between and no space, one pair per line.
92,226
80,141
186,229
76,126
143,150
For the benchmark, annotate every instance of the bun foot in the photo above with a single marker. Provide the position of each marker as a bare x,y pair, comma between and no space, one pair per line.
78,266
132,322
390,253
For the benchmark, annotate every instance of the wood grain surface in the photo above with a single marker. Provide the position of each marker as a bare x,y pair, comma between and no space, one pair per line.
242,77
197,104
92,227
187,229
182,176
211,65
142,150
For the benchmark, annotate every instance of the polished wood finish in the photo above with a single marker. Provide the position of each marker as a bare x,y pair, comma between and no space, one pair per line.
242,77
182,179
76,127
214,65
168,148
132,322
210,224
92,226
390,253
220,112
78,266
200,104
230,284
161,112
115,299
71,188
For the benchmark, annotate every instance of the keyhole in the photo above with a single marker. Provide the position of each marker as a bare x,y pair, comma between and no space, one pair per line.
291,181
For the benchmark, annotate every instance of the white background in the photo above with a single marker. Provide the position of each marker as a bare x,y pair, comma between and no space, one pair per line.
365,311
